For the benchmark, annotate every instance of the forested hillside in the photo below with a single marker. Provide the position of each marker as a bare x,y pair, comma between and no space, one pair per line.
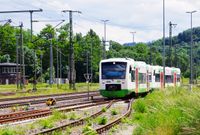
90,45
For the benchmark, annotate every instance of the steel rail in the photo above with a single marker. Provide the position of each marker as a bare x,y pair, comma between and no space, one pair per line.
117,121
13,117
72,124
22,103
43,96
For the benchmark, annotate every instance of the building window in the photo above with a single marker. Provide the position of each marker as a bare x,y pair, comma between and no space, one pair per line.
4,70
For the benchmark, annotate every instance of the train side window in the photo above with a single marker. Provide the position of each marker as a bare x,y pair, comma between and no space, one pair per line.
157,78
142,78
168,79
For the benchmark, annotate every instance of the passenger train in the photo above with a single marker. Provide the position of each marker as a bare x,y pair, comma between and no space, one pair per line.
121,77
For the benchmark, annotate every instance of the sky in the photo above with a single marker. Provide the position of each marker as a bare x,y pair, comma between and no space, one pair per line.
141,16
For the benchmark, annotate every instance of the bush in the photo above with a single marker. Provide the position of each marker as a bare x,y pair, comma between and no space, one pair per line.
46,123
114,112
102,120
104,109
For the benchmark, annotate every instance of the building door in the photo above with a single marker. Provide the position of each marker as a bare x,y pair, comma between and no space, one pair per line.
7,81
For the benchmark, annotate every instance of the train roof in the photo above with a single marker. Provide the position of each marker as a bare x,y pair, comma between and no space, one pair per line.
118,60
140,63
168,70
177,70
157,69
149,68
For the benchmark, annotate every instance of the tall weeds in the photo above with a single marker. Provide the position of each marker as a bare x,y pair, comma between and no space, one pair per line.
169,112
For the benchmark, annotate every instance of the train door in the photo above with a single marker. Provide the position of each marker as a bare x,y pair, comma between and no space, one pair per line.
148,80
131,80
161,80
136,80
175,78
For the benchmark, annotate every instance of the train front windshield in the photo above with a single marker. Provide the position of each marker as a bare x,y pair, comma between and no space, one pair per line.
113,70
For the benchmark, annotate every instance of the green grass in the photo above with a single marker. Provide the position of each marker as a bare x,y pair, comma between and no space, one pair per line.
169,112
73,116
104,109
45,123
114,112
44,89
87,130
102,120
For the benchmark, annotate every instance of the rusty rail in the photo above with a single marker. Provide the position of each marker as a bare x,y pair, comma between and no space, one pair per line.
68,97
33,115
19,116
117,121
44,96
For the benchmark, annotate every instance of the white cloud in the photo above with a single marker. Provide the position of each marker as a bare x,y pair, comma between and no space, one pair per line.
142,16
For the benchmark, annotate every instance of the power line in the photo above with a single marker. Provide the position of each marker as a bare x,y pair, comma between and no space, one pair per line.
120,25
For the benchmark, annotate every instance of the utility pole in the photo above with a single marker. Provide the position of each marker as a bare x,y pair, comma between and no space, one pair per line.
175,56
72,74
31,17
41,71
60,63
51,63
87,73
133,34
51,50
22,67
191,47
150,62
170,38
91,52
17,62
31,22
57,64
164,43
104,39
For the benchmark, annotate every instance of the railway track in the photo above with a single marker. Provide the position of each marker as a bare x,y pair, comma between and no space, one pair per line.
43,96
73,124
106,127
81,121
43,100
25,115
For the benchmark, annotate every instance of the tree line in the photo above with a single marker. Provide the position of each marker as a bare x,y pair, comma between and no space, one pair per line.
90,47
